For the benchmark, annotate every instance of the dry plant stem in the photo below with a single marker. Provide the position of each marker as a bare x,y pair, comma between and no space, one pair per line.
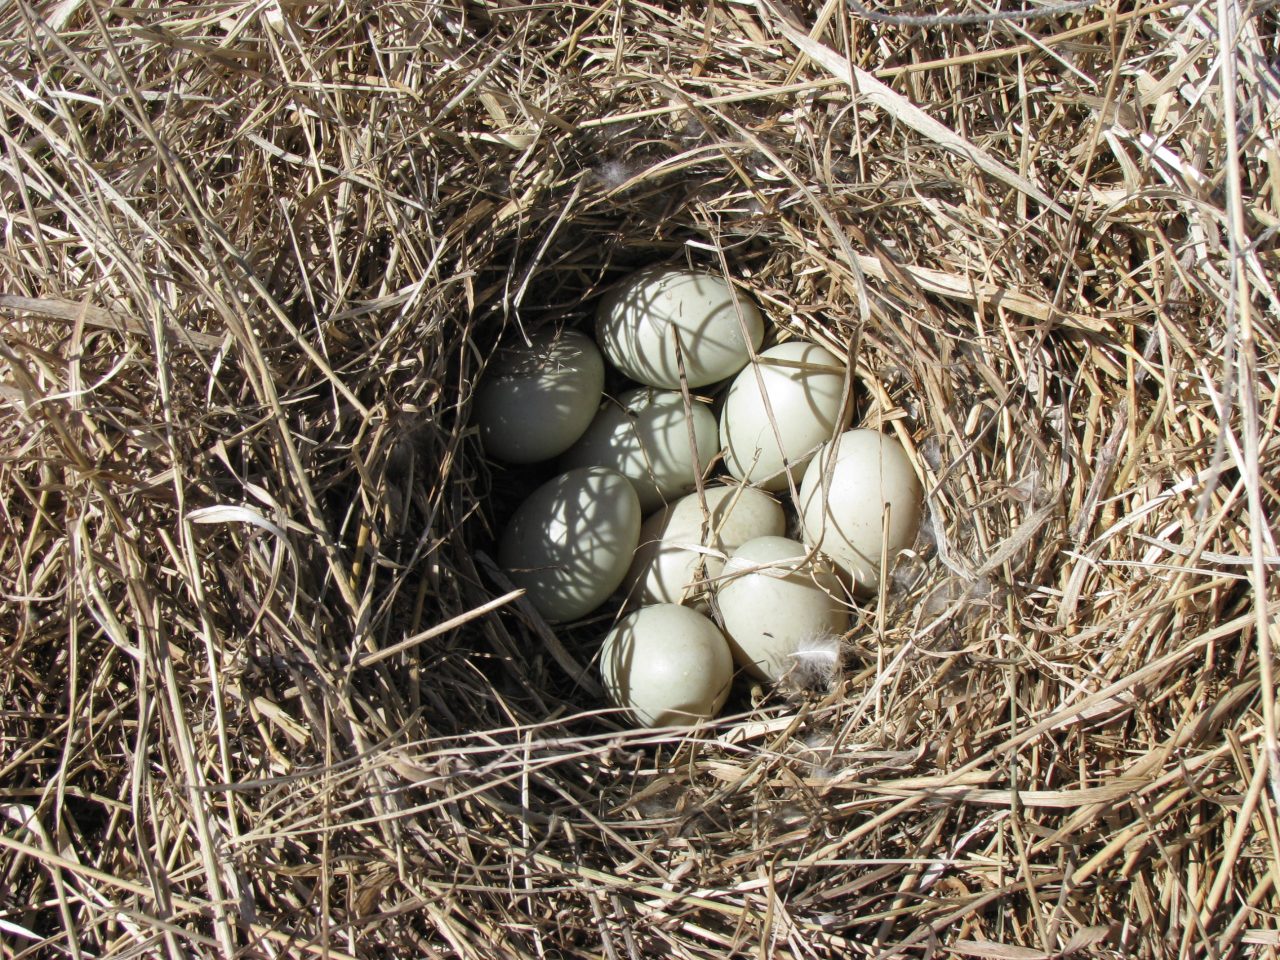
862,83
86,312
408,643
90,873
557,649
1240,315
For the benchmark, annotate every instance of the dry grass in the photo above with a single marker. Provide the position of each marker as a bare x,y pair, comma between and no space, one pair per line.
258,699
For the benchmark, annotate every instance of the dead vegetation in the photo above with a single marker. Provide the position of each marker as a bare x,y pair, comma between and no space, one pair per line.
264,693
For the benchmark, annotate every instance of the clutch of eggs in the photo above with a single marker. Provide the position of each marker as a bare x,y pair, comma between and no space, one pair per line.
783,426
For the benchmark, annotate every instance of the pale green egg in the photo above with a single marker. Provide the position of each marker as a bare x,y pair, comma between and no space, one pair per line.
640,321
683,538
536,401
667,665
645,435
797,387
570,542
860,500
774,598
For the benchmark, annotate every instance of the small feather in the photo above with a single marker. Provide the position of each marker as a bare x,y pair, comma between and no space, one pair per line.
817,661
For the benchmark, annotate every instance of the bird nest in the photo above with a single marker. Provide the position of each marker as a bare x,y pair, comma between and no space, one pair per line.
265,692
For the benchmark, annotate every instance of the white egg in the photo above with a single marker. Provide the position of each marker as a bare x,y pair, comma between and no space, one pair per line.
667,665
639,320
681,538
870,477
775,602
805,387
645,437
569,543
535,401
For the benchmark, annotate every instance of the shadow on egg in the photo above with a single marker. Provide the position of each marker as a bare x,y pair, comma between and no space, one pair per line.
639,319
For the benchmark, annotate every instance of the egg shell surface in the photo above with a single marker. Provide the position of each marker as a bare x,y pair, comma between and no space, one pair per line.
638,321
674,542
667,665
805,387
871,473
644,435
774,602
536,401
569,543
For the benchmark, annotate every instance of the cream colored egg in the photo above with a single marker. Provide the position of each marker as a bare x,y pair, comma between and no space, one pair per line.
569,543
805,386
645,437
776,603
681,539
869,505
639,321
667,665
536,401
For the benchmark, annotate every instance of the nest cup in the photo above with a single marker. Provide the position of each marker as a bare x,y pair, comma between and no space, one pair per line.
266,686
